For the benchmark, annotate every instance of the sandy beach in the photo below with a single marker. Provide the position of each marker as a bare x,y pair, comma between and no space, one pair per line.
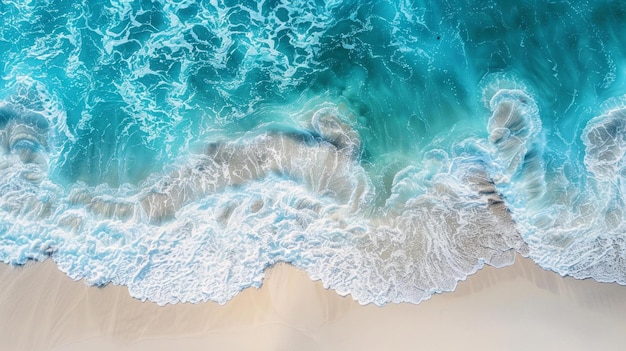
520,307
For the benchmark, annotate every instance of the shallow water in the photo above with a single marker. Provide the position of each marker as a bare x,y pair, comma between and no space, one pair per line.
388,148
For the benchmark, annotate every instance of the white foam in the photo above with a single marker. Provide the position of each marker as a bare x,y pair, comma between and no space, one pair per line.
604,138
210,227
572,227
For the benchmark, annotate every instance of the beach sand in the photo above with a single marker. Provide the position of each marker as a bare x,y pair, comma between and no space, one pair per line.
520,307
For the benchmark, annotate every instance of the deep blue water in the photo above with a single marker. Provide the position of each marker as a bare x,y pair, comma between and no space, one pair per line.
388,148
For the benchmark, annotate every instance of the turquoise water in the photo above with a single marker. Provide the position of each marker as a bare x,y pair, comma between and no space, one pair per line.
388,148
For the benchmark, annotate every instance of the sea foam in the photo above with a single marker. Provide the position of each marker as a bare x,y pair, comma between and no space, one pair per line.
302,197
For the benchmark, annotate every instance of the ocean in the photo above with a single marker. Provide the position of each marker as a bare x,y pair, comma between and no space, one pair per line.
390,149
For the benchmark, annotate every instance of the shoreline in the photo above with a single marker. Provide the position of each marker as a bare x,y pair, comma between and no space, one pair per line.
513,308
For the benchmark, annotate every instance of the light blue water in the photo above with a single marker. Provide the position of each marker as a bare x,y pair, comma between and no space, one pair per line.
388,148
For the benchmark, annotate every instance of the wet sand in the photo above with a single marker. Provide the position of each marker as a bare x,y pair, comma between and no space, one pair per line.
520,307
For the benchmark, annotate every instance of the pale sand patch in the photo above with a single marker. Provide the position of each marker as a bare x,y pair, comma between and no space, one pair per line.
520,307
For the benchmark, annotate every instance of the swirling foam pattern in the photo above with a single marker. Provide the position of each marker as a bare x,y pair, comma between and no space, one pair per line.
388,148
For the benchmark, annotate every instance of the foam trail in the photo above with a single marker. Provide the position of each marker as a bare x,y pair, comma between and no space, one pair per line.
514,129
604,138
325,165
24,163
